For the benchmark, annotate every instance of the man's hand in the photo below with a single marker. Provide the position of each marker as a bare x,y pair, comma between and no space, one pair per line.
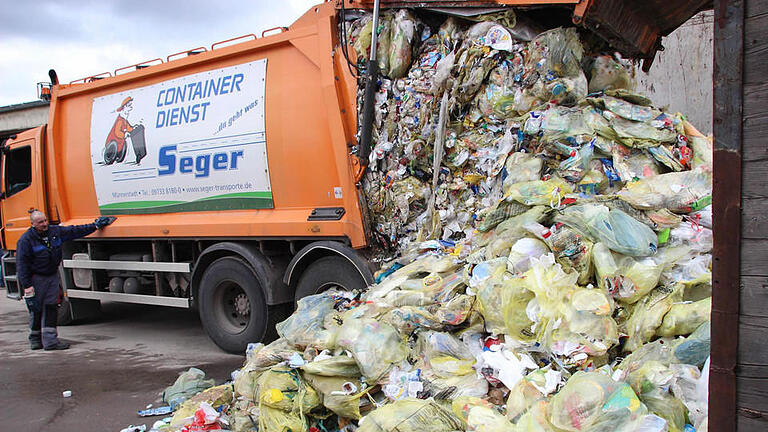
29,292
103,221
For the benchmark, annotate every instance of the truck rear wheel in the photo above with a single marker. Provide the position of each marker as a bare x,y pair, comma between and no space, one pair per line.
327,273
232,304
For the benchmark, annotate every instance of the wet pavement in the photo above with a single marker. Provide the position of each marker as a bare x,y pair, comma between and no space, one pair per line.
117,365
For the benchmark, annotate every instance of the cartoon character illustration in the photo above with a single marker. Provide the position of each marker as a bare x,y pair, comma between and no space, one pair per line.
116,146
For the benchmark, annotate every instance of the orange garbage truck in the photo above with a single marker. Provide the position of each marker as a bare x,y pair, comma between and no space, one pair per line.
234,171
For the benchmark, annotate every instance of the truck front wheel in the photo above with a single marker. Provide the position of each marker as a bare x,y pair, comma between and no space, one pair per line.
232,304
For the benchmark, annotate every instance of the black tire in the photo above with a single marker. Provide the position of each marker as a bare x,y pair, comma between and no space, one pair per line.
232,304
326,273
110,152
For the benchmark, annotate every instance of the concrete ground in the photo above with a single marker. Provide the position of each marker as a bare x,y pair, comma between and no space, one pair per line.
116,366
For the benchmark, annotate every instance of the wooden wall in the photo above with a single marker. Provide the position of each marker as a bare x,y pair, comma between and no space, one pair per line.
739,370
752,365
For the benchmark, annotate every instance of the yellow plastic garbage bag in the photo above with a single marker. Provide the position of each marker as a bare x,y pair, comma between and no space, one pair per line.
651,383
277,420
339,394
284,388
335,366
375,346
593,401
411,415
625,278
684,318
480,415
680,192
534,387
648,313
539,192
215,396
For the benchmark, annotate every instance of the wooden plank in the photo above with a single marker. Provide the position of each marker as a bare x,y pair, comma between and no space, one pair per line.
753,299
754,218
754,8
751,393
754,257
754,332
755,175
755,147
748,423
728,78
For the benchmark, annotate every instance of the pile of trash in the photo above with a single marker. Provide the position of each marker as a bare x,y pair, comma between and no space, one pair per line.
551,234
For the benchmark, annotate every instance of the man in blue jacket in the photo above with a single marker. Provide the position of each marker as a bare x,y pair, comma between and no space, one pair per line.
37,262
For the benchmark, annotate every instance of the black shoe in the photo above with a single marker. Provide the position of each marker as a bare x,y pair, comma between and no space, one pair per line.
36,345
58,346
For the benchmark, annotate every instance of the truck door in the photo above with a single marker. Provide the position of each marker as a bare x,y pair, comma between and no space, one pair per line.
22,183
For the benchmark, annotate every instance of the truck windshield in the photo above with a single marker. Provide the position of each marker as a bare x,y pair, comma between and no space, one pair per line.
18,170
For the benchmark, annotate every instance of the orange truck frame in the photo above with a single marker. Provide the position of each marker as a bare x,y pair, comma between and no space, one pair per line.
233,173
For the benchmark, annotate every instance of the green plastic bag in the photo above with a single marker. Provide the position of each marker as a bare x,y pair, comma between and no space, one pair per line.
187,385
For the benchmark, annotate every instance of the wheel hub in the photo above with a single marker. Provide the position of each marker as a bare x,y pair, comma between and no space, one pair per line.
242,305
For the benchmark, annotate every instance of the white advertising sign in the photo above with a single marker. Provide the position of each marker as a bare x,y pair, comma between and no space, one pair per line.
194,143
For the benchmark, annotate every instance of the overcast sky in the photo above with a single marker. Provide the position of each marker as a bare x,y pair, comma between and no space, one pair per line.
80,38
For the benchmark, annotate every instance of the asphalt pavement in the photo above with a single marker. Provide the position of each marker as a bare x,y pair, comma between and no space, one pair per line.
117,365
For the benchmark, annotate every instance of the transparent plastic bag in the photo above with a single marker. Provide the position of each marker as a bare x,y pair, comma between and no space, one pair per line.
403,29
556,52
305,326
680,192
480,415
572,250
607,73
619,231
338,395
375,345
625,278
519,259
592,401
410,415
685,318
647,315
187,385
694,349
539,192
335,366
522,167
651,383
